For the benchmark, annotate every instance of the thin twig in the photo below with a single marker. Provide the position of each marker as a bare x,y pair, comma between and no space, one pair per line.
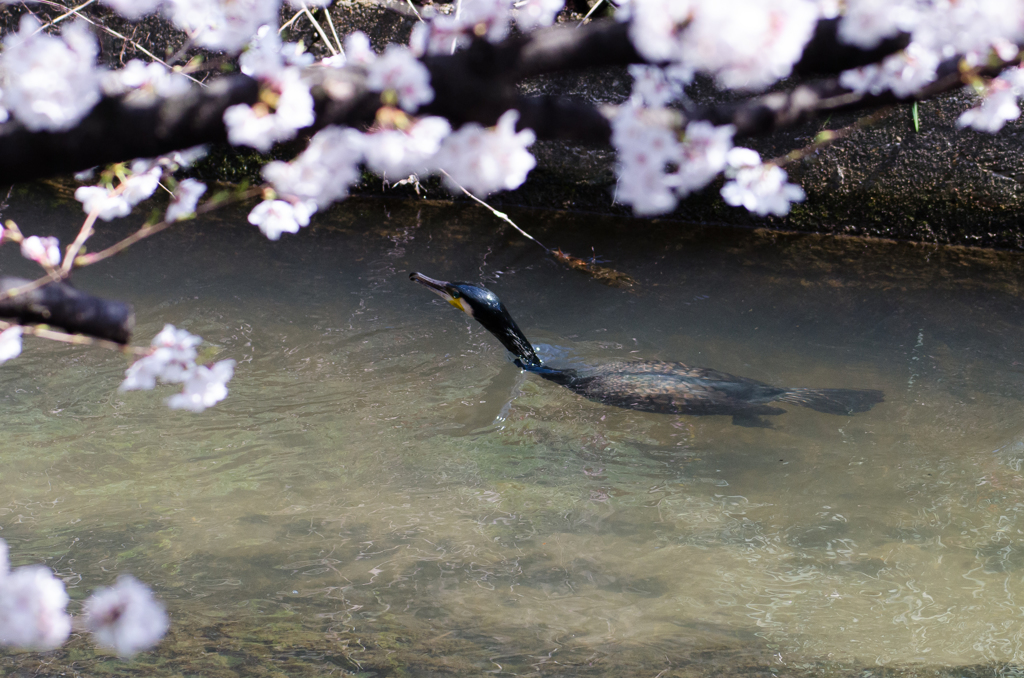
319,29
288,23
83,234
330,22
592,10
65,15
828,137
153,229
117,35
500,215
79,339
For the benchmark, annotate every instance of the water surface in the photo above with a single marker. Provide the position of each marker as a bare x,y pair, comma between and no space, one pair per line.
383,493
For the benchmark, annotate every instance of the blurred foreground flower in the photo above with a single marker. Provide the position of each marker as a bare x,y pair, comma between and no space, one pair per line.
32,615
173,361
10,347
125,617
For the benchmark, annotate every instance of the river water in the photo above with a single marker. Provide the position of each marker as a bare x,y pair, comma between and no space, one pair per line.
384,494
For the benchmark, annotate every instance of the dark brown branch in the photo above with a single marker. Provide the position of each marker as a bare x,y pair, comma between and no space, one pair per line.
61,305
120,129
477,84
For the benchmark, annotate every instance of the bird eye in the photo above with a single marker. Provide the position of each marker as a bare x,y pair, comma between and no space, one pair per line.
455,294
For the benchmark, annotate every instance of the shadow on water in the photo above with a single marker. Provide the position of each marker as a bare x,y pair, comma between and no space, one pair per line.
384,494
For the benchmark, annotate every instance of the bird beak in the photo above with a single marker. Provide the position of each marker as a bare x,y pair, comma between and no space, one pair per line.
438,287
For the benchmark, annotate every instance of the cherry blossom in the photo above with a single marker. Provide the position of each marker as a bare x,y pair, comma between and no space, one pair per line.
399,71
398,153
43,251
324,171
704,152
133,9
172,359
141,184
531,14
867,22
267,57
103,201
152,78
184,200
275,217
10,347
204,387
998,106
125,617
49,83
442,34
358,51
904,72
32,615
259,128
645,149
657,86
759,187
486,160
746,44
222,24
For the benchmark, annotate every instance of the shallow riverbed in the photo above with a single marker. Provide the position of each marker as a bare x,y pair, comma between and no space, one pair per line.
383,493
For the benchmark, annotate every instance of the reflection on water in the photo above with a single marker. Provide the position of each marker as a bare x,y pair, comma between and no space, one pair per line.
384,494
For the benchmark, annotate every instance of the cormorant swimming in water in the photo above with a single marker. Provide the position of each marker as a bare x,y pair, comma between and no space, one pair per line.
649,385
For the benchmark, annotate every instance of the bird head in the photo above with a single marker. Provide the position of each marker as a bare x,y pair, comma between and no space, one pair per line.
483,306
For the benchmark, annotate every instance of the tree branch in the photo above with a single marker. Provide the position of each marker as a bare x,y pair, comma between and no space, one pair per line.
476,84
61,305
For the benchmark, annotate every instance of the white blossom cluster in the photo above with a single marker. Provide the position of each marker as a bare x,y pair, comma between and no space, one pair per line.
138,184
939,29
745,44
480,159
173,361
125,617
490,19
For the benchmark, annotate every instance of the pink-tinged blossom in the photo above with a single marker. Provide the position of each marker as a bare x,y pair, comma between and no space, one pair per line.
399,71
704,152
4,115
102,201
487,160
222,24
172,359
43,251
184,200
645,150
324,171
10,347
150,78
125,617
998,107
205,387
133,9
867,22
32,615
140,185
904,73
441,34
759,187
531,14
358,51
657,86
49,83
745,44
395,153
267,57
260,129
275,217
